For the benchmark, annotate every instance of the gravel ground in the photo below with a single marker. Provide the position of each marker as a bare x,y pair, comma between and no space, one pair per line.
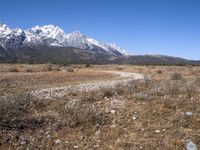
58,92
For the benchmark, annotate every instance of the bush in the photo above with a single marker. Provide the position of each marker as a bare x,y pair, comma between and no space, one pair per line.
197,81
78,113
159,71
29,70
13,69
15,110
87,65
70,70
56,68
176,76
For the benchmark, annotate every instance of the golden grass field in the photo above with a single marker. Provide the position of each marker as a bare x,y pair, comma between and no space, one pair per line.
159,112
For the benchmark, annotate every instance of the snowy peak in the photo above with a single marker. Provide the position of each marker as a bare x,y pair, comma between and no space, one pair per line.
75,34
51,35
115,46
49,31
4,29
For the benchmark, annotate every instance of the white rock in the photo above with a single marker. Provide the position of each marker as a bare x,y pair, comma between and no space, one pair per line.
57,141
157,131
190,145
113,126
76,147
189,114
113,111
164,130
134,118
71,104
23,142
48,136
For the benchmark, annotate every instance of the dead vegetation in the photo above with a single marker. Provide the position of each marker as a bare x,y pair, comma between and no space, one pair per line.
160,112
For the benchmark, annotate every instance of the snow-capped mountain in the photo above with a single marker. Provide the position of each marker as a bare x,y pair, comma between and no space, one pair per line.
52,36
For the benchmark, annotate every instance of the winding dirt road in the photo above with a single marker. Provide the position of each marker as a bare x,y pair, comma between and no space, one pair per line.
58,92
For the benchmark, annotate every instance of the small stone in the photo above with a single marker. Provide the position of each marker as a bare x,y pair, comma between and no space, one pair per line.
71,104
190,145
134,118
76,147
48,136
81,137
98,132
66,142
113,111
157,131
113,126
189,114
164,130
57,141
23,142
96,146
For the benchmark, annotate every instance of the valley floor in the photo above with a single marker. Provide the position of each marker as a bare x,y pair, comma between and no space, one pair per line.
160,110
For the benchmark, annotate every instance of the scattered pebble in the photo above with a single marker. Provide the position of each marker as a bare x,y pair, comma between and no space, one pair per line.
189,114
48,136
134,118
190,145
71,104
157,131
164,130
113,126
81,137
113,111
57,141
76,147
96,146
23,142
97,133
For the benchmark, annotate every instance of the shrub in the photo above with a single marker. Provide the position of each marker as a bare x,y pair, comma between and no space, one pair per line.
159,71
87,65
29,70
15,110
70,70
80,113
56,68
49,67
176,76
197,81
13,69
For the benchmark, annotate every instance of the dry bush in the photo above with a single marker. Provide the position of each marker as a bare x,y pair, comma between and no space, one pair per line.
56,68
78,113
16,110
13,69
108,92
29,70
70,69
48,67
87,65
159,71
197,80
176,76
120,68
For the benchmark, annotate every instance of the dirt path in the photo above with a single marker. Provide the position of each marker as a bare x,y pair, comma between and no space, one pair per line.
123,78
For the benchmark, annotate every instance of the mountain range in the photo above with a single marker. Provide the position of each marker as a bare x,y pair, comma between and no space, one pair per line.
49,43
52,36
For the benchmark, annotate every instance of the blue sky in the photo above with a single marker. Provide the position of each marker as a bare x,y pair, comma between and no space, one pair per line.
169,27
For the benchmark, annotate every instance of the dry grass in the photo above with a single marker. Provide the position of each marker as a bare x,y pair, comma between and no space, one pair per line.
147,115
